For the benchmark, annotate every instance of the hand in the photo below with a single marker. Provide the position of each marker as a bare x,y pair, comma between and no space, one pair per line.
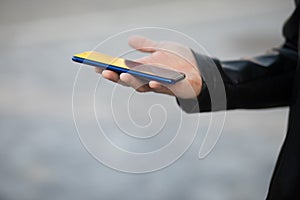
165,55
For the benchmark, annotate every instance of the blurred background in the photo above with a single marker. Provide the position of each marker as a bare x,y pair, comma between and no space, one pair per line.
40,151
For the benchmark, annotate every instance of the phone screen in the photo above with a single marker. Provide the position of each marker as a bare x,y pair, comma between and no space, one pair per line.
121,65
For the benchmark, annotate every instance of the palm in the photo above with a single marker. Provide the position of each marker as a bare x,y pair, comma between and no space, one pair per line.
179,58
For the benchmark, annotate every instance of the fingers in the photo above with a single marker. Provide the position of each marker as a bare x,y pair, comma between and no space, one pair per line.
160,88
135,83
110,75
125,79
142,43
130,81
155,85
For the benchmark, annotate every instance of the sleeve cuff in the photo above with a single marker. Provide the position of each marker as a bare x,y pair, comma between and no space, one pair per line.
202,103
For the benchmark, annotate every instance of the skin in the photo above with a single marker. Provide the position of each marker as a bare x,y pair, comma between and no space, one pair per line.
165,55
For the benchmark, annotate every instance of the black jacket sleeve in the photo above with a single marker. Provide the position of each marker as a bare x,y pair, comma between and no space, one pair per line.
260,82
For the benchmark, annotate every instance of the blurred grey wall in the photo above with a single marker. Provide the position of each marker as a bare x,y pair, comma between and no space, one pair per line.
40,151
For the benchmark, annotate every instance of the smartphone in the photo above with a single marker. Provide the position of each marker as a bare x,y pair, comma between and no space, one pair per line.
121,65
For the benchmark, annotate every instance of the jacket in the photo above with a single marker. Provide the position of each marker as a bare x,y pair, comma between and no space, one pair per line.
265,81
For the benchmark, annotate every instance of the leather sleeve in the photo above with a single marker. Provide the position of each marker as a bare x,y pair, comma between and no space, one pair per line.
260,82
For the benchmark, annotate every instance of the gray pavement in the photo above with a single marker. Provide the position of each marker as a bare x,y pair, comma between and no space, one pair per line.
41,154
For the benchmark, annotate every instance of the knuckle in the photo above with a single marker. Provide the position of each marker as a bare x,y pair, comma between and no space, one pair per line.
141,89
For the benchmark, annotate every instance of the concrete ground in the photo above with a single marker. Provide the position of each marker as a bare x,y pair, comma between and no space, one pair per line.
41,154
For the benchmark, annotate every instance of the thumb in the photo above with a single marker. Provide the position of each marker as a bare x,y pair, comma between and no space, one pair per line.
142,43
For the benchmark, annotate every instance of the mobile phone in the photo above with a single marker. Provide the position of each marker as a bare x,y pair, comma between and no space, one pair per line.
121,65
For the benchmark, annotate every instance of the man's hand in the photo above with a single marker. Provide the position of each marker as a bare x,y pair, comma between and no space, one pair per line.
165,55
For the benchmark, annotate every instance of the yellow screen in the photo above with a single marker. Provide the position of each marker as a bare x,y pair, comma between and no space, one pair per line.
99,57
